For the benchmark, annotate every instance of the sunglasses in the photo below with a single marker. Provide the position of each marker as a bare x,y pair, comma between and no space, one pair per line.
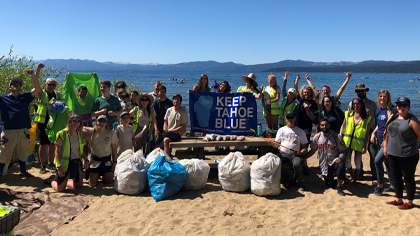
405,105
145,100
16,83
290,117
360,91
77,121
306,87
102,121
52,85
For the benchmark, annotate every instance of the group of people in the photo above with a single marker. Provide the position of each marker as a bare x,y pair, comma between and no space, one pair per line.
121,117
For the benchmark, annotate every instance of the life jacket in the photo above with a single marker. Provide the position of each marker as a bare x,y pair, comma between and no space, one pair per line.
275,108
136,119
66,148
42,103
354,137
284,109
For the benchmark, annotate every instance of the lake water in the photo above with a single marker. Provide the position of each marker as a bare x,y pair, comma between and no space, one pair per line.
397,84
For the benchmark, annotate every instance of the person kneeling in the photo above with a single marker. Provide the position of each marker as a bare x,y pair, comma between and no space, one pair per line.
69,156
292,138
176,119
331,149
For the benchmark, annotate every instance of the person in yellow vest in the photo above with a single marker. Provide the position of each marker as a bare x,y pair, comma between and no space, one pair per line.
288,103
355,133
143,115
69,156
270,102
42,117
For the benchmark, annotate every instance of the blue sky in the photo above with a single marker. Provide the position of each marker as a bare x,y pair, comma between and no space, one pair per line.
248,32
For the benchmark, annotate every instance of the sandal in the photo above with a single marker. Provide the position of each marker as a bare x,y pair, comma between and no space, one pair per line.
49,180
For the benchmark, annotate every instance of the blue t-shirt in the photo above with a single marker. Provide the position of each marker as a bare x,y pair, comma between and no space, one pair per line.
15,111
382,117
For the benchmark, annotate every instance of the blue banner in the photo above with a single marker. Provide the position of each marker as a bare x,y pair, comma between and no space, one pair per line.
223,113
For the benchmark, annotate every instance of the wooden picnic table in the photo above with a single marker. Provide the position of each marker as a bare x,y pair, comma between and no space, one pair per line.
198,145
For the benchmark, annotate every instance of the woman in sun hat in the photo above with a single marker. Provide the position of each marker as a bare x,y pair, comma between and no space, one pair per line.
400,146
250,86
143,115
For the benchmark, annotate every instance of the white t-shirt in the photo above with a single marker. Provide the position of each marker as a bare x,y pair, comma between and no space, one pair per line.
74,145
291,137
267,93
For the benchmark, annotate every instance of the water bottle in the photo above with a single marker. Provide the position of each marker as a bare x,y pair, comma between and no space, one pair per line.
259,130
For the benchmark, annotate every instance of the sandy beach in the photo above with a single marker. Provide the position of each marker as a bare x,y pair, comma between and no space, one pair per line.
213,211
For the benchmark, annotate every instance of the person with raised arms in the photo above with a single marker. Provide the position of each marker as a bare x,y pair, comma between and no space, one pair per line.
308,109
42,117
288,103
330,147
14,109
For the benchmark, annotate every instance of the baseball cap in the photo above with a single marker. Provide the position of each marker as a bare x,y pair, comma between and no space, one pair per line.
292,90
102,117
290,113
403,100
124,113
17,78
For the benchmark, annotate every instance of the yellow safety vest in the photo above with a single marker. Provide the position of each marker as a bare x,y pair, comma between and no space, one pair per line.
65,149
42,102
284,109
275,108
354,137
136,118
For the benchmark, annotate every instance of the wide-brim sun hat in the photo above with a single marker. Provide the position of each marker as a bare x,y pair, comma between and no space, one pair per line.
252,77
137,99
361,86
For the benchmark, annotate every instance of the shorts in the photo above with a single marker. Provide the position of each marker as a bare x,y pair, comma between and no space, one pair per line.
14,139
100,165
43,137
69,174
173,136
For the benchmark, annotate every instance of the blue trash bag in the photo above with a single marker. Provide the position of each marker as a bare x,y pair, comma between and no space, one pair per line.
165,178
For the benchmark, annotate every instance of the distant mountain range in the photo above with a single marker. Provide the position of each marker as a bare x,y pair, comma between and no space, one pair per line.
214,66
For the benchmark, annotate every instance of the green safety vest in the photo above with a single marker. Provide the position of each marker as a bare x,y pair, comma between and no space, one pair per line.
284,109
136,118
354,137
65,149
275,108
42,103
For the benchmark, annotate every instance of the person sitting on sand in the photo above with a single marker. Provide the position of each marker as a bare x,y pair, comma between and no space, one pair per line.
103,143
14,109
293,147
176,119
69,156
331,149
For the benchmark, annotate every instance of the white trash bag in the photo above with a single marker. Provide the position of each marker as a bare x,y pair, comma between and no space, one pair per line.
197,173
131,173
155,154
234,173
266,175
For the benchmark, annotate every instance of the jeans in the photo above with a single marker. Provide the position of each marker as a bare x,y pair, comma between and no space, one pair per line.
404,167
373,151
379,159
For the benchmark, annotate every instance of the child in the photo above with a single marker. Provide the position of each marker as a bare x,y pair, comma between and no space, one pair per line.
82,91
125,134
126,104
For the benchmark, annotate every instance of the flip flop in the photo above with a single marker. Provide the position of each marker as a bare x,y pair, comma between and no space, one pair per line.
49,180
